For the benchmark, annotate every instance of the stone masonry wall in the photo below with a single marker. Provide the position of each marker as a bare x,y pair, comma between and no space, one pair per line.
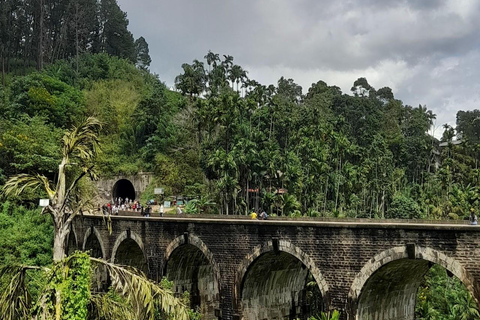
139,181
341,256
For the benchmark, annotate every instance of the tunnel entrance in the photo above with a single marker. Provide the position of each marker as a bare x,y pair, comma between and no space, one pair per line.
279,286
189,270
129,253
123,189
400,290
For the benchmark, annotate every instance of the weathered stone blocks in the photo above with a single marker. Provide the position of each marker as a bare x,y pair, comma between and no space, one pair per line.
354,264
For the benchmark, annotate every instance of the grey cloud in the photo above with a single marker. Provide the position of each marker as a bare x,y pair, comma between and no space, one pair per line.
336,39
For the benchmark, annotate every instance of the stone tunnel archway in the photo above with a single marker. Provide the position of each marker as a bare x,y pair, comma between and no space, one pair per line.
386,287
272,283
129,250
189,264
123,188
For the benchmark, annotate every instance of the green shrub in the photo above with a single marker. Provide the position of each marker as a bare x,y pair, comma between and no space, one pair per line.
403,207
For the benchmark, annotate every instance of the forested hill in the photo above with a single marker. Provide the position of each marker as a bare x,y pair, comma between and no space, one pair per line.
361,154
222,137
38,32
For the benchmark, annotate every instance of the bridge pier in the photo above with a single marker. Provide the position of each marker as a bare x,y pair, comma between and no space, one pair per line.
248,269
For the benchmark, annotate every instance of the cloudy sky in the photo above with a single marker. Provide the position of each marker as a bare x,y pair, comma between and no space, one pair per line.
427,51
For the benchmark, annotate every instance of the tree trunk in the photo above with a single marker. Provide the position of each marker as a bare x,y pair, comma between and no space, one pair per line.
3,71
59,242
40,34
248,198
325,200
62,227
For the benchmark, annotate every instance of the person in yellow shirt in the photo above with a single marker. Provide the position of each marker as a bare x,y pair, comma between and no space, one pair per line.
253,215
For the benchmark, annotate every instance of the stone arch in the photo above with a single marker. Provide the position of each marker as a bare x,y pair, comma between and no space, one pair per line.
92,241
387,270
278,247
191,266
92,231
123,188
136,248
72,242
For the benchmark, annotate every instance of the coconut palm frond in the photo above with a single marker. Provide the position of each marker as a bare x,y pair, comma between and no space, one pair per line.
18,184
143,294
45,307
82,140
15,300
109,307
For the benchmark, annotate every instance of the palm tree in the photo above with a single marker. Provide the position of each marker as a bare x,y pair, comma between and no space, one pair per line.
236,74
67,293
79,148
140,297
212,59
228,61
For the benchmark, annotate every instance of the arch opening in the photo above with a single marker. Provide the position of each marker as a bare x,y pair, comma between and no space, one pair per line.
71,244
391,292
123,188
93,246
391,285
277,285
442,294
129,253
190,270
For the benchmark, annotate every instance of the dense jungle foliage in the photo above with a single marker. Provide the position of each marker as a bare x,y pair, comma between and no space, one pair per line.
244,145
324,153
231,142
235,142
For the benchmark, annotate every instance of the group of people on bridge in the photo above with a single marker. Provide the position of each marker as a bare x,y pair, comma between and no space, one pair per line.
261,216
126,204
120,204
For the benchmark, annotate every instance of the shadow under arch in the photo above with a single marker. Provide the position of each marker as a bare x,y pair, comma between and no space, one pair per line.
386,287
92,240
129,250
123,188
191,266
72,242
296,259
93,243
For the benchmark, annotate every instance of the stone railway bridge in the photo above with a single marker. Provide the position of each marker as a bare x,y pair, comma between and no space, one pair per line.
249,269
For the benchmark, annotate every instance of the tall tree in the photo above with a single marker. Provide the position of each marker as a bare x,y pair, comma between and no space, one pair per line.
193,79
79,148
40,32
468,125
142,54
116,39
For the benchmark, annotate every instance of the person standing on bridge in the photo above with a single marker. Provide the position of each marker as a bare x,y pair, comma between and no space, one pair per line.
473,217
148,209
263,215
161,210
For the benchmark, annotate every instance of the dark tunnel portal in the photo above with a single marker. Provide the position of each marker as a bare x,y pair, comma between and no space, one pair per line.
123,189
